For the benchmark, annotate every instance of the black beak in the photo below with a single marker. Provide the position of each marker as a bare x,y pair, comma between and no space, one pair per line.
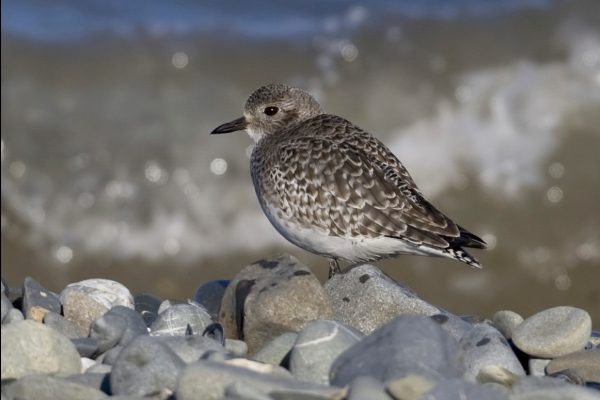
235,125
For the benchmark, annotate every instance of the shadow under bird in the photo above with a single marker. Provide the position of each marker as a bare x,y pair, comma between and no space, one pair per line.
334,189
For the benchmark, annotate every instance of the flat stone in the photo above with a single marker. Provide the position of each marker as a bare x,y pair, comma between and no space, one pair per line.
317,347
210,295
85,301
43,387
270,297
181,319
29,347
366,298
37,300
506,321
554,332
485,346
366,387
191,348
537,366
277,349
586,364
411,387
392,351
62,325
119,325
86,347
145,367
455,389
147,306
208,380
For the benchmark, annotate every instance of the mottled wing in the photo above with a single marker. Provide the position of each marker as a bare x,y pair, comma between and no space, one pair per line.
347,183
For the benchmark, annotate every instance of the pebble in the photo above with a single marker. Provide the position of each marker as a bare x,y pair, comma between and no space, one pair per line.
145,367
537,366
37,300
86,346
209,380
456,326
594,342
366,387
62,325
29,347
411,387
390,353
99,369
99,381
119,325
554,332
85,301
191,348
506,321
270,297
43,387
497,375
210,296
6,306
454,389
366,298
181,319
13,315
277,349
485,346
236,347
86,363
586,364
317,347
545,388
147,305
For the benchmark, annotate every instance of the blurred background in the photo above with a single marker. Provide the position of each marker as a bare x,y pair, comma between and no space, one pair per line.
108,169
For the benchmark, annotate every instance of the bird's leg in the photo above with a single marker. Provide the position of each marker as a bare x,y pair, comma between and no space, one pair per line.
334,267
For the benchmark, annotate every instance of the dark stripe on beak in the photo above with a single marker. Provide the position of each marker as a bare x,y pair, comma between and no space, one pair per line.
235,125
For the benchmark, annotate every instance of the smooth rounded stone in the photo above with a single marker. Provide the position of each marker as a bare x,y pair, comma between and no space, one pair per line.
277,349
13,315
191,348
98,381
586,364
454,389
210,295
270,297
86,346
506,321
119,325
411,387
237,347
493,374
86,301
554,332
29,347
110,356
147,306
146,366
6,306
62,325
485,346
37,300
537,366
366,298
317,347
181,319
208,380
44,387
409,344
456,326
366,387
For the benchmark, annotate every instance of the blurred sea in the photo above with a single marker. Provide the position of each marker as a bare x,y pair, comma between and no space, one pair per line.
108,169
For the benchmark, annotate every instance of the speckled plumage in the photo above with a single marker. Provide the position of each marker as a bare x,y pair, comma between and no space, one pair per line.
334,189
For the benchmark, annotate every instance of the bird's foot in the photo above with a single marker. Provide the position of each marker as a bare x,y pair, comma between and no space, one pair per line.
334,267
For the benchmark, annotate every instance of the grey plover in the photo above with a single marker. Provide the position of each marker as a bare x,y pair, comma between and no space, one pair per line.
333,189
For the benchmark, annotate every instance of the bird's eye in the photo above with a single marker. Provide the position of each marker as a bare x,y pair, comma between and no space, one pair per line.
271,111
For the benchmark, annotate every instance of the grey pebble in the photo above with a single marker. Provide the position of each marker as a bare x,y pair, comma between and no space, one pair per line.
44,387
13,315
85,301
317,347
270,297
99,369
29,347
485,346
6,306
454,389
506,321
537,366
146,366
554,332
237,347
86,346
277,349
110,357
119,325
585,364
191,348
390,352
98,381
410,387
366,298
246,391
37,300
62,325
180,319
366,387
210,295
456,326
